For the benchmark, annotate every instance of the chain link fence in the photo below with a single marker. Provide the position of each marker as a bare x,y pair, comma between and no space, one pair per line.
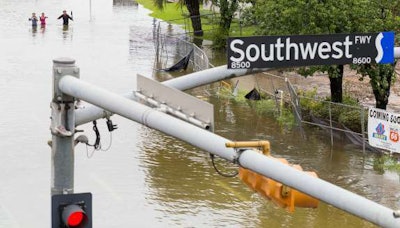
172,44
342,122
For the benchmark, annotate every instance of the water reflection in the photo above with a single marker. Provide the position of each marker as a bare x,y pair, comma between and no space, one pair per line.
33,30
65,29
181,177
42,28
183,180
66,32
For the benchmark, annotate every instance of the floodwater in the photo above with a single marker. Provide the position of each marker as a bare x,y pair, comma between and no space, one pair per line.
143,178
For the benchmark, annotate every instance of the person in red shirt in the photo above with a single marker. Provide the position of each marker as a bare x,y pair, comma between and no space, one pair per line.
42,19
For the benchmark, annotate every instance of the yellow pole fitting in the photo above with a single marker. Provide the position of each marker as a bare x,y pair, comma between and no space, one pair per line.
226,85
260,144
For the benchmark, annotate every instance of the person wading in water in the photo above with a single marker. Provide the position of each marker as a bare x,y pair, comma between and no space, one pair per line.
34,20
65,18
42,19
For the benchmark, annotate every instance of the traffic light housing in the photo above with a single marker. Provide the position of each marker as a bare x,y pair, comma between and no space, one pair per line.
71,210
279,193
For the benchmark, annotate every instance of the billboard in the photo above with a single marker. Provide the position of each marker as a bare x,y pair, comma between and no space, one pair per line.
384,129
307,50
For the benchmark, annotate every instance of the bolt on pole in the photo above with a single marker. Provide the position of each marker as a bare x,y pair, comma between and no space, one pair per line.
62,129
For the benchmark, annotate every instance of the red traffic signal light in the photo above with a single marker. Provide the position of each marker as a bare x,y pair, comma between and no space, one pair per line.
72,210
74,216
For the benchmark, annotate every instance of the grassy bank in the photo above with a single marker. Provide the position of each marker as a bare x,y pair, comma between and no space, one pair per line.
177,14
170,12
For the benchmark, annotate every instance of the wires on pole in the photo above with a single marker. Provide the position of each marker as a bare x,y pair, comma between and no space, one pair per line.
232,174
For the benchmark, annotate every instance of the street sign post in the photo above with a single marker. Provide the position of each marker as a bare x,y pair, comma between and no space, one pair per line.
307,50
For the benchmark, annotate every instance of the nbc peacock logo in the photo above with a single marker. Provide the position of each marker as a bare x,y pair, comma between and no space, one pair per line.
380,132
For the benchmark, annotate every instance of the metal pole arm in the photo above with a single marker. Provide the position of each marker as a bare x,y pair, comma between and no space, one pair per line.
396,52
147,116
320,189
189,81
215,144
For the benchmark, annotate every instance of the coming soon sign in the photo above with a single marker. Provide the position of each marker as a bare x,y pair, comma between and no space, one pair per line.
335,49
384,129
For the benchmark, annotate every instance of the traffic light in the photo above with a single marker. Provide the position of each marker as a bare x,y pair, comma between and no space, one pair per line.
279,193
71,210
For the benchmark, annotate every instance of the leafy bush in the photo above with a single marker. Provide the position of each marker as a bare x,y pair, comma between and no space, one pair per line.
386,162
286,118
346,113
265,106
351,119
218,38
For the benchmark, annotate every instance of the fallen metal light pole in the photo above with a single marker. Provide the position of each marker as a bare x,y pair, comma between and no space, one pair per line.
188,81
215,144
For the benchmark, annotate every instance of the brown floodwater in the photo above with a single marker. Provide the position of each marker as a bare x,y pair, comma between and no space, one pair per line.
146,178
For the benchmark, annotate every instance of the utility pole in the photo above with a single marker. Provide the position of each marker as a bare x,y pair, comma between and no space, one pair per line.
67,209
90,10
62,129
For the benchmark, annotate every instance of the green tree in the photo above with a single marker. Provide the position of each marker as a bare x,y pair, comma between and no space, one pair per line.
281,17
193,6
382,76
383,15
227,9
